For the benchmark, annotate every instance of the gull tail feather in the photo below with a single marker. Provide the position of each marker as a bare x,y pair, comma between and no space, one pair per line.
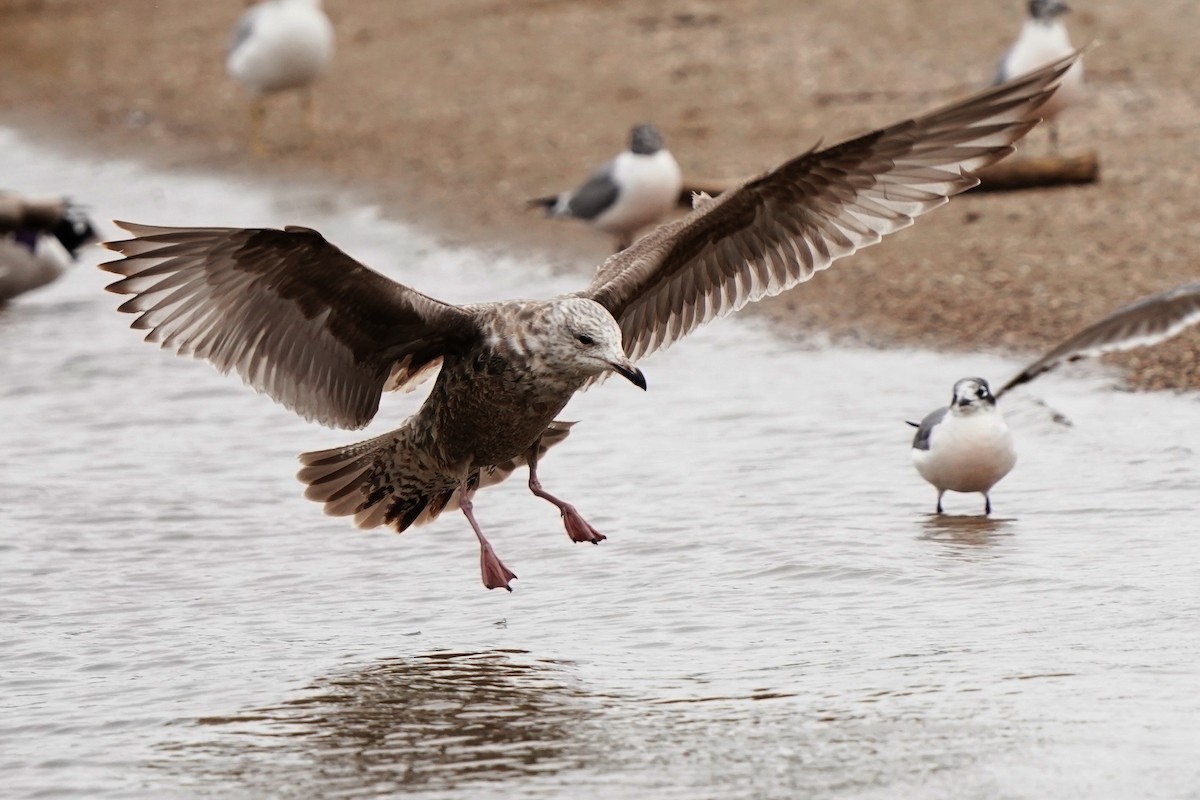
361,480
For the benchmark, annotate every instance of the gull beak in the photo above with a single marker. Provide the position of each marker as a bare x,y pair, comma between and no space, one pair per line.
629,371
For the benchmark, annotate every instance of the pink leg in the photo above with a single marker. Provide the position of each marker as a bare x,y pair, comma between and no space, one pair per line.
495,574
577,527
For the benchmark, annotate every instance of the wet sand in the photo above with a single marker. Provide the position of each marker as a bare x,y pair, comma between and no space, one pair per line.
452,114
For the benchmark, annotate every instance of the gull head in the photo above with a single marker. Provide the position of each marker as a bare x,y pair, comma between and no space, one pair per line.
645,140
74,229
971,395
583,341
1046,10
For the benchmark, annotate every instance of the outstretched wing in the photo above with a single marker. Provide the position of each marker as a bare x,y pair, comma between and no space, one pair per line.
777,230
293,315
1145,322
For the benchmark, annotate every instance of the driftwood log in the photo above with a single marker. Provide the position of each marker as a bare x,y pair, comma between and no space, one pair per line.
1039,172
1007,175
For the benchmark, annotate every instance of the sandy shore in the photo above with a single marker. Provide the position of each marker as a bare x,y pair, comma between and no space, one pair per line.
452,113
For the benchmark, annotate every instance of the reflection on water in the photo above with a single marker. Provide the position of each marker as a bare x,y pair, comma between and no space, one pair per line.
434,721
957,532
774,613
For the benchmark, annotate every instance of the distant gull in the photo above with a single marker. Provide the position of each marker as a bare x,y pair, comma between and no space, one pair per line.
634,190
279,45
324,335
1043,39
966,447
39,239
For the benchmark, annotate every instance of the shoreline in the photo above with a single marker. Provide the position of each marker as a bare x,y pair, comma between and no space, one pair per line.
457,137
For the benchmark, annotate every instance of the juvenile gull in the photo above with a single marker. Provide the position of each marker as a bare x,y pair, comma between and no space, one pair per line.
324,335
636,189
39,239
967,447
1042,40
279,45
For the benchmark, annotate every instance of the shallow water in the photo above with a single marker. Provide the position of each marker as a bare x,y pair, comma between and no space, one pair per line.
775,614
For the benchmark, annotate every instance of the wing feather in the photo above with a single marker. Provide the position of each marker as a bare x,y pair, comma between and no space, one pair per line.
293,315
779,229
1145,322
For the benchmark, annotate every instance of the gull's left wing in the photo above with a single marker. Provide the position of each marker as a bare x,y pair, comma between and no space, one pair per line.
777,230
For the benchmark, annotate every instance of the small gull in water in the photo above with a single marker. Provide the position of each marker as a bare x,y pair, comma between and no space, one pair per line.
279,45
324,335
636,189
39,239
967,447
1043,39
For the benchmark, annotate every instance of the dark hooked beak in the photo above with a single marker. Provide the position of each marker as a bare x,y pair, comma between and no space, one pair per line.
632,373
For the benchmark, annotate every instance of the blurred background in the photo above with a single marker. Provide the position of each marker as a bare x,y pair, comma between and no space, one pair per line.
454,114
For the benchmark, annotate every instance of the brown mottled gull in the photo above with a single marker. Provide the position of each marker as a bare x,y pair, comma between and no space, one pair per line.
324,335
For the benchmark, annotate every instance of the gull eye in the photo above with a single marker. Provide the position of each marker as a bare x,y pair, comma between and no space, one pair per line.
584,339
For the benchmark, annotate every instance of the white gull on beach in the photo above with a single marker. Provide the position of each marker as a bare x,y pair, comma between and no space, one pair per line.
1044,39
636,189
279,45
967,447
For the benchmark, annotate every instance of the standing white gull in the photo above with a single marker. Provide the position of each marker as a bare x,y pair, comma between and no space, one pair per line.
324,335
279,45
634,190
967,447
1043,39
39,239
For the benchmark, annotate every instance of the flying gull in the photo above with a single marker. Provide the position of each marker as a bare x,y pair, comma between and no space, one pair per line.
279,45
636,189
966,447
39,239
1042,40
324,335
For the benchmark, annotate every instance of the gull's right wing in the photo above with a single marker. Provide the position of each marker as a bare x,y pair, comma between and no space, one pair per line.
293,315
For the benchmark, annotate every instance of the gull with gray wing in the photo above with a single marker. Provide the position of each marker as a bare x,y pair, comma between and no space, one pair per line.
279,45
967,447
1043,39
636,189
324,335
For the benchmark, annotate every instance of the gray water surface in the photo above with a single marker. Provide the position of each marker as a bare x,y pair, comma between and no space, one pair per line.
776,613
